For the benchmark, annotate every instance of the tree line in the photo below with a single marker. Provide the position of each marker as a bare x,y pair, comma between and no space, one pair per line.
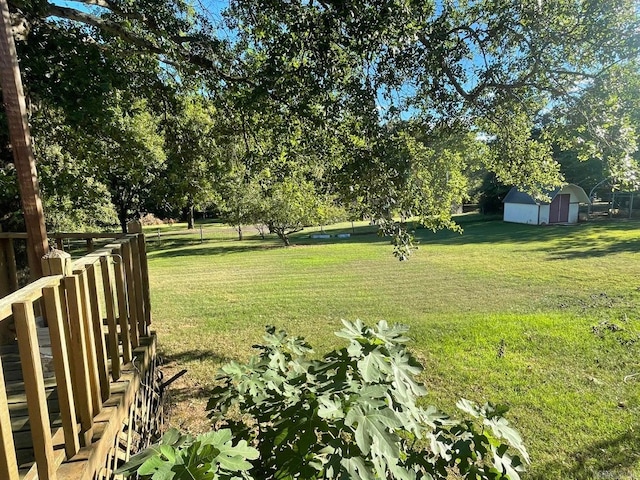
295,113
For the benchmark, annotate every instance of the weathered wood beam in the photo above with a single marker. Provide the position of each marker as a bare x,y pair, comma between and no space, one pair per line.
20,137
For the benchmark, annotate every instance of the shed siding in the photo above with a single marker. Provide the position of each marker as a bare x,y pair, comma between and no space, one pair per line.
573,212
544,214
520,213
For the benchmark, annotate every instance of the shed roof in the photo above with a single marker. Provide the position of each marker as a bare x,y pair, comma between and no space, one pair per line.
516,196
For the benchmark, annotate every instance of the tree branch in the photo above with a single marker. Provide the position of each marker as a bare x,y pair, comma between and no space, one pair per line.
98,3
102,24
181,52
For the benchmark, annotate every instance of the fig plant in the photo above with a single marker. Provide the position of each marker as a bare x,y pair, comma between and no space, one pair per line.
355,413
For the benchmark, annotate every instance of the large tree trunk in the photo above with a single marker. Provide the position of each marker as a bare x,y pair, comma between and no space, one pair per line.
283,236
190,220
122,217
20,137
239,224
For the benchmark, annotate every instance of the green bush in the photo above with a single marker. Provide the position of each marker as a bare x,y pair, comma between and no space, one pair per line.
352,414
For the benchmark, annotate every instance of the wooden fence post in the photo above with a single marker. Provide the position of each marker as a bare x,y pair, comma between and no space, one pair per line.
5,287
9,255
134,226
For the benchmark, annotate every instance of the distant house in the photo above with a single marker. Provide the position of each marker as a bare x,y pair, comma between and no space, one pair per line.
520,207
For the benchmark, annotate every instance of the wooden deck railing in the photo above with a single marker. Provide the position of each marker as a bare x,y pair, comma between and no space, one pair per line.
10,264
94,406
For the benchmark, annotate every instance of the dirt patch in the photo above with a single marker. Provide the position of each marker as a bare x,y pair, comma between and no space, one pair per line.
185,402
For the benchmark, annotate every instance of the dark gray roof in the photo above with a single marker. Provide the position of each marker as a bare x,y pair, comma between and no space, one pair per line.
516,196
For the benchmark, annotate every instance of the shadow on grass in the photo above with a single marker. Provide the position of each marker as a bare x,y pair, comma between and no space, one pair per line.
494,232
580,248
571,241
182,395
574,241
198,355
180,247
181,390
186,249
616,458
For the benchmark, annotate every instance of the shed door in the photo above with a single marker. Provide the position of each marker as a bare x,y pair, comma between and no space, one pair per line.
559,209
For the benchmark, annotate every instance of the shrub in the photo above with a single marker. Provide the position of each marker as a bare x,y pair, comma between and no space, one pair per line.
355,414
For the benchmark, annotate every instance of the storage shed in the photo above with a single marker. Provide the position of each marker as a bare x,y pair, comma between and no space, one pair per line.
520,207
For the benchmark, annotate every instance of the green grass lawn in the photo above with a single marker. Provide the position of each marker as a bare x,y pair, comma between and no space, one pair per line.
544,319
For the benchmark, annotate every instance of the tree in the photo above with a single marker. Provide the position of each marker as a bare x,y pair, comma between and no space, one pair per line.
586,173
130,156
168,28
74,197
425,172
193,156
491,67
20,136
602,123
74,86
326,67
241,199
288,206
278,167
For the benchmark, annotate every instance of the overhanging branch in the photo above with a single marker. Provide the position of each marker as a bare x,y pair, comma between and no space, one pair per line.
103,24
180,51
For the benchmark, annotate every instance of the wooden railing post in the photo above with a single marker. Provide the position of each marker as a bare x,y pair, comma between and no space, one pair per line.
98,332
88,354
90,345
78,342
56,262
8,461
66,402
34,387
113,343
128,328
139,298
131,289
142,247
8,283
5,286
